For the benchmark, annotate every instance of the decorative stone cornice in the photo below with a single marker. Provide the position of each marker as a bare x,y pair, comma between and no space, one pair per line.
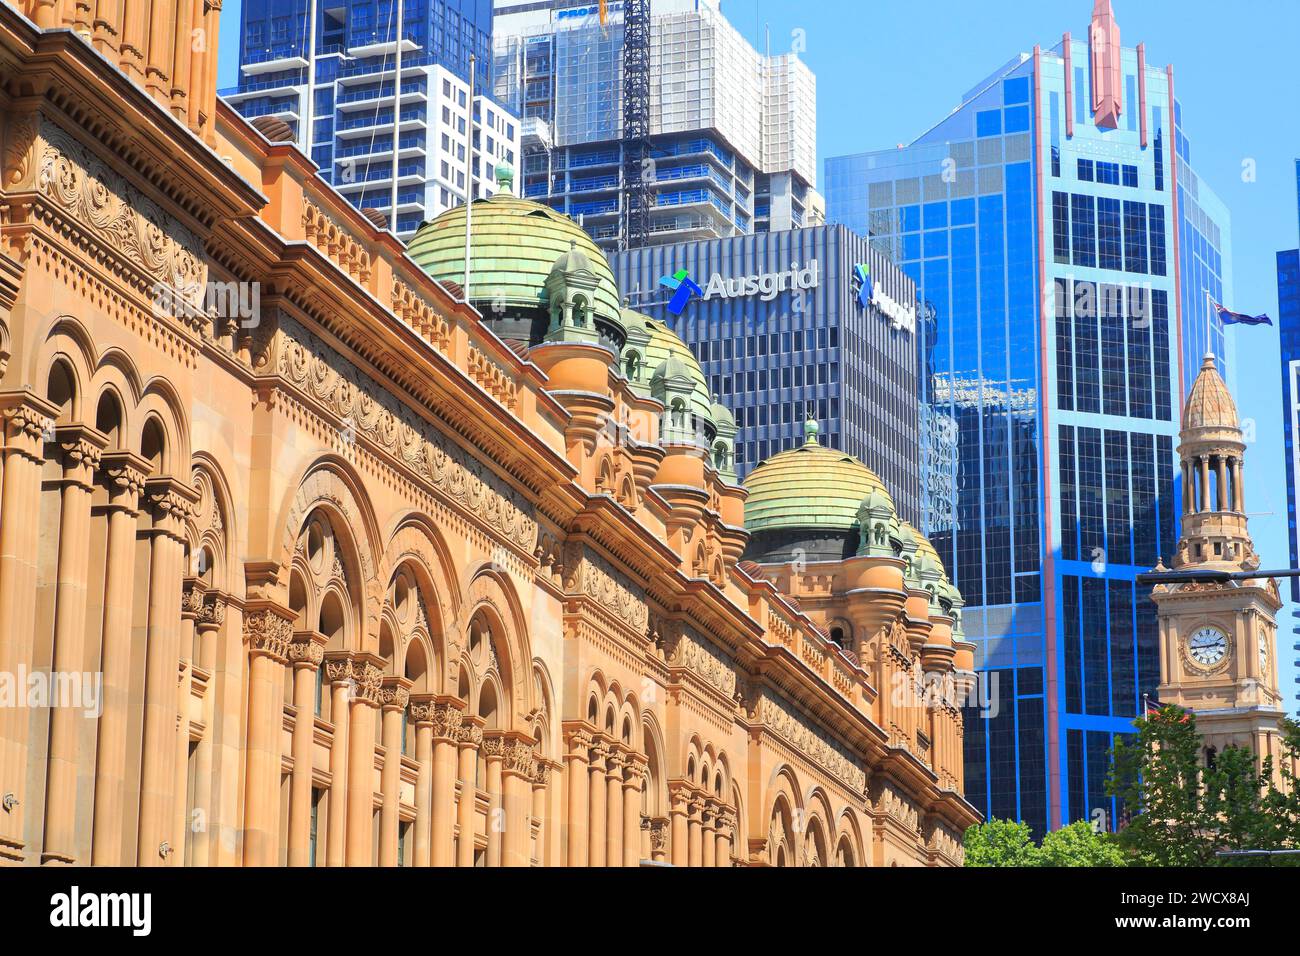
267,631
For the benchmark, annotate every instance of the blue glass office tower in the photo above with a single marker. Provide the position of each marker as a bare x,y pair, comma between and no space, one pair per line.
773,357
354,100
1046,224
1288,302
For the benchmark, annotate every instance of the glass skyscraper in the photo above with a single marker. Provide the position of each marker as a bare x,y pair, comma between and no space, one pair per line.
1288,300
354,100
1046,223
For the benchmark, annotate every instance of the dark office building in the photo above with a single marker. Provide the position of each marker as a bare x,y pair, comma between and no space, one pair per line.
779,325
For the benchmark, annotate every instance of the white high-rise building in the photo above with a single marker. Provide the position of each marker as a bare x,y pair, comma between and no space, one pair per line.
733,131
350,63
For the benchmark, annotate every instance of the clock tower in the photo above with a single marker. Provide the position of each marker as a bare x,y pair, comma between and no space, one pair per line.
1218,642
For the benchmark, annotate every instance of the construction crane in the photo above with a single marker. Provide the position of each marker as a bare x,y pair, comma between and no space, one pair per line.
636,124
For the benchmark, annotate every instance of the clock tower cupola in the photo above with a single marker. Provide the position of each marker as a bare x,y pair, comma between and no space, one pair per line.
1218,639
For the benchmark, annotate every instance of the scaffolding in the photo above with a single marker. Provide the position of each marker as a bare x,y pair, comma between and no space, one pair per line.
636,123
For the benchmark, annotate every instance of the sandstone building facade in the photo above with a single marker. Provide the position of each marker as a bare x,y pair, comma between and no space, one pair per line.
353,572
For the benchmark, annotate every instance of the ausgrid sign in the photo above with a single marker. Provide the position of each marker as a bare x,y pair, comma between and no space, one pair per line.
766,285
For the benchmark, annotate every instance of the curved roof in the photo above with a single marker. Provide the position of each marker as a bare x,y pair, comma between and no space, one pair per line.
811,487
925,549
515,244
667,353
1210,404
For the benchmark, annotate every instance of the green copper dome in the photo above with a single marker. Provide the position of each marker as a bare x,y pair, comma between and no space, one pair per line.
811,487
515,244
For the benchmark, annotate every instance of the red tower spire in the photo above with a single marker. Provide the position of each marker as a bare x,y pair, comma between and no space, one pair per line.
1107,67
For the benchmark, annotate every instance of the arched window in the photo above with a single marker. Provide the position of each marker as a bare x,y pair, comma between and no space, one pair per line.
580,311
632,366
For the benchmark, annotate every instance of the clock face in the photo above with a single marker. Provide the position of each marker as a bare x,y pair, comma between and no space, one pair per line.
1263,656
1207,646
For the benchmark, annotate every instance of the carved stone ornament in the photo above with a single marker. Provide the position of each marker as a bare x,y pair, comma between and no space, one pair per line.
375,415
786,723
590,576
125,220
266,632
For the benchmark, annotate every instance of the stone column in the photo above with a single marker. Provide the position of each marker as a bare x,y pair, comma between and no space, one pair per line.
576,779
445,730
124,475
679,809
1189,486
726,830
614,809
171,502
210,623
540,811
709,832
338,668
362,714
518,769
268,630
81,449
422,710
306,653
1238,491
468,741
695,834
633,777
494,751
193,597
26,421
659,839
597,790
394,696
1223,502
1204,463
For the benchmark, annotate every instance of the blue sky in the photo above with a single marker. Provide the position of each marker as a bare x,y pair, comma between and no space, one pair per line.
889,69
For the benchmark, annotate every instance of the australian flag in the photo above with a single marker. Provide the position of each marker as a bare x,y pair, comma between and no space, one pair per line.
1228,317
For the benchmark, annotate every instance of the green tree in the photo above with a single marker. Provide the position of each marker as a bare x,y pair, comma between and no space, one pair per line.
1001,843
1156,773
1186,808
1080,845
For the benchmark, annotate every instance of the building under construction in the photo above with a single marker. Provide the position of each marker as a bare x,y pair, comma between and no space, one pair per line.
640,121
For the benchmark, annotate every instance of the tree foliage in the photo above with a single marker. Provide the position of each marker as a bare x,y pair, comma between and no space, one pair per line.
1183,810
1180,809
1010,843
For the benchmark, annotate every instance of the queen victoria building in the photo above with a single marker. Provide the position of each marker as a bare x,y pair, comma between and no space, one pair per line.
307,560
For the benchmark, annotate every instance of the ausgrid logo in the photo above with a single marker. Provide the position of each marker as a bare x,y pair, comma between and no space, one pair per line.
683,287
869,294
